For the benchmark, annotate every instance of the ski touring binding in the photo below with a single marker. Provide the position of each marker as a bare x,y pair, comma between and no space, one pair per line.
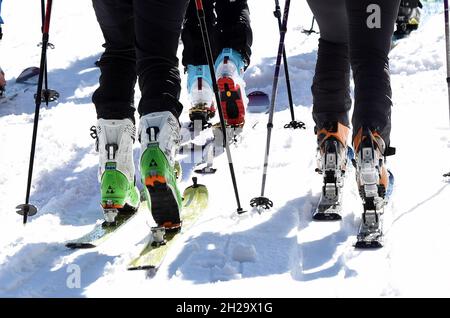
370,233
158,234
110,214
329,207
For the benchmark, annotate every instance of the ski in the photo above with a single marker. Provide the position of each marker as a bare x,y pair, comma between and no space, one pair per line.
11,93
195,201
102,231
26,82
329,208
370,233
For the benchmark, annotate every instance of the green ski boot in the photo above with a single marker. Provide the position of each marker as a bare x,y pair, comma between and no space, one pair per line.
119,194
160,135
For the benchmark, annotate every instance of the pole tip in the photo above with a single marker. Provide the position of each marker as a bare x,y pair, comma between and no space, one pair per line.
240,211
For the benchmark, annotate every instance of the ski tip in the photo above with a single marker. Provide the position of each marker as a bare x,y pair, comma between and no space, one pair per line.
206,170
258,102
368,245
78,245
141,268
28,76
327,217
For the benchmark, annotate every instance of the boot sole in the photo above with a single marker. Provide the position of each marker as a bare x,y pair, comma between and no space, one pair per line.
231,101
164,206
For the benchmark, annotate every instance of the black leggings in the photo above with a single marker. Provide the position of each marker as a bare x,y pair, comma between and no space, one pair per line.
141,39
228,26
346,40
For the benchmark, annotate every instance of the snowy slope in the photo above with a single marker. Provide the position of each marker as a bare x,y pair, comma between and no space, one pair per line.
274,254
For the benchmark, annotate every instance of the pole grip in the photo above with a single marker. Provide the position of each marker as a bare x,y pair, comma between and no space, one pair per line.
199,5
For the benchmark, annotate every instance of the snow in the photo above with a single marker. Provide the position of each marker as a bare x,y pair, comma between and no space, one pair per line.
278,253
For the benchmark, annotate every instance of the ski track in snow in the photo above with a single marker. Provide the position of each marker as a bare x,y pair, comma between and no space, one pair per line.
278,253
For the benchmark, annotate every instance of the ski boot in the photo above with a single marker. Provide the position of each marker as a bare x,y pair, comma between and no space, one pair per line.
119,194
408,18
229,72
372,179
201,94
159,134
332,164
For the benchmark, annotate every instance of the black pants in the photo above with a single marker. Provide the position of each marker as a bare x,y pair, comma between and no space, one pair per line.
141,39
228,25
346,40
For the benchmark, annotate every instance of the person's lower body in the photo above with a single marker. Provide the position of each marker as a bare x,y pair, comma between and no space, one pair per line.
231,39
141,41
355,35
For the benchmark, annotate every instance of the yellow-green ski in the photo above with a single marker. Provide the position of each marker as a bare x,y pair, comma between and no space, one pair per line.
102,231
195,201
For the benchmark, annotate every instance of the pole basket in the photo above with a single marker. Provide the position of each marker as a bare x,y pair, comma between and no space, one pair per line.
261,202
48,95
26,209
309,32
295,124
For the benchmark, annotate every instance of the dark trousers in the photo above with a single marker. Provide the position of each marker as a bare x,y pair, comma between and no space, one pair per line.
141,40
228,25
347,41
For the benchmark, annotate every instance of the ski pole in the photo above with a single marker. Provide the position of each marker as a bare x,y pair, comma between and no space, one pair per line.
1,21
29,209
263,201
46,92
45,69
209,57
447,49
293,124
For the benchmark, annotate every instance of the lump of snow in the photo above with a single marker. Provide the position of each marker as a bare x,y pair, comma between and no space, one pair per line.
244,253
225,273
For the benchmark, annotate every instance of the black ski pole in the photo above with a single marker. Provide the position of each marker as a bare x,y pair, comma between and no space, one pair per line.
209,57
45,68
294,123
48,95
447,50
263,201
311,30
29,209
